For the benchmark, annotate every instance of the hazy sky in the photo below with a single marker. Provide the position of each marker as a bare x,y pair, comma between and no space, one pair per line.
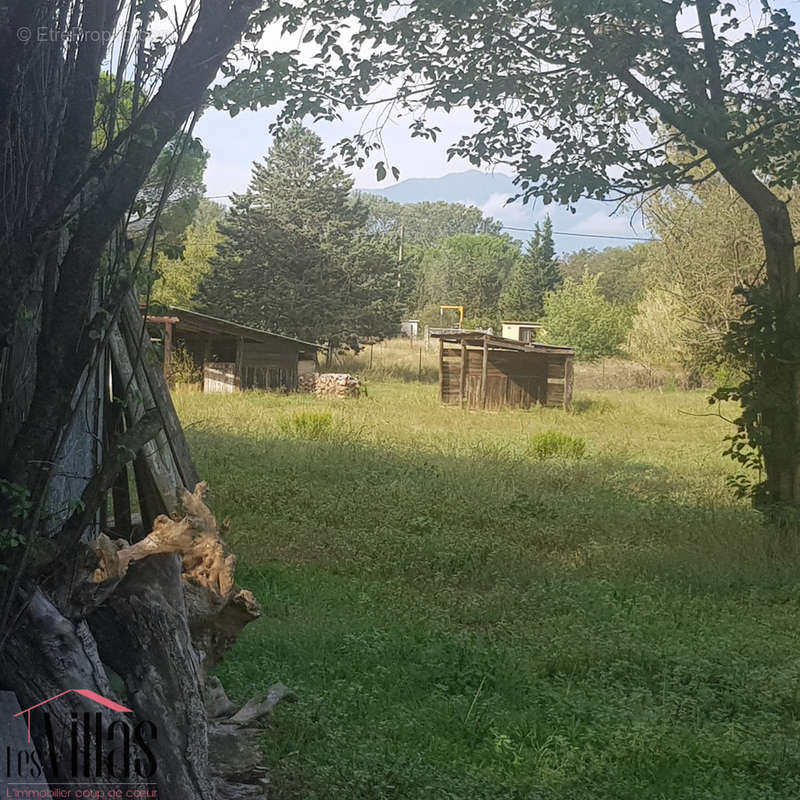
236,142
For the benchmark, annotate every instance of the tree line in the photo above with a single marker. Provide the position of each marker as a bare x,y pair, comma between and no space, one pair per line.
303,254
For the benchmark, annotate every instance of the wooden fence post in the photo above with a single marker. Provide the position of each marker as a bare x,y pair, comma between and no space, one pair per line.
167,349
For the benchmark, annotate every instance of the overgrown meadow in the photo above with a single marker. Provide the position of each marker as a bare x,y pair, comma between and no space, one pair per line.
487,606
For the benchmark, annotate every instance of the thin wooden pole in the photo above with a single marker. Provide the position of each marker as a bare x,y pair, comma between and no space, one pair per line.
569,379
441,369
238,370
114,426
167,349
484,371
419,370
462,384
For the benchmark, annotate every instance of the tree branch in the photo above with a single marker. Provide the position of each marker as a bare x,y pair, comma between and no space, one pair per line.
712,56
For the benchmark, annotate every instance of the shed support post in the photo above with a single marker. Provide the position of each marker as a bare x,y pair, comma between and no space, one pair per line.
238,378
167,349
462,385
441,369
484,371
569,379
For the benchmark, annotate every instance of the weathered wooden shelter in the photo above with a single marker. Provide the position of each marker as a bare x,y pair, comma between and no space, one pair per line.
234,356
478,370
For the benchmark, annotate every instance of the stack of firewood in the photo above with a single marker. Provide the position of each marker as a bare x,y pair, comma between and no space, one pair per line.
307,382
337,384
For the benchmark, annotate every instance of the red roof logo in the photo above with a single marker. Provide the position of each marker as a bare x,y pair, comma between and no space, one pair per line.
97,698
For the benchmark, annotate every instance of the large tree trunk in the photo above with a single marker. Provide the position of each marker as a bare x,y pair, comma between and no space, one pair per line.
143,635
165,611
777,379
46,654
780,378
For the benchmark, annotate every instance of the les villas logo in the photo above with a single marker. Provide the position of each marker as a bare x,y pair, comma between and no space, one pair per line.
96,744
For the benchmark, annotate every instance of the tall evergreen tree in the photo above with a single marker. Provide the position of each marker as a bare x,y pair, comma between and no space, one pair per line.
534,275
287,263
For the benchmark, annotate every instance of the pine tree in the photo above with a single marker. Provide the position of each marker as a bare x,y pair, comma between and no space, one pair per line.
286,263
534,275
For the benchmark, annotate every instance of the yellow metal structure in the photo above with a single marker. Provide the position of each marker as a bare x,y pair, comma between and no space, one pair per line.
460,310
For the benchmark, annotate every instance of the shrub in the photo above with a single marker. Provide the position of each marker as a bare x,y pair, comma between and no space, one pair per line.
309,425
554,444
578,316
182,368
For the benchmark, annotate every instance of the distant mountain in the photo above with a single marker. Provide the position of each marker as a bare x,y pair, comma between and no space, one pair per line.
490,191
472,188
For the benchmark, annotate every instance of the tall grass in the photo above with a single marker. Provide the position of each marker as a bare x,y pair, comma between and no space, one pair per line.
393,359
462,620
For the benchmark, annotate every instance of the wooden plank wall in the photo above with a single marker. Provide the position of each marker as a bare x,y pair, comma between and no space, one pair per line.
269,365
513,379
219,377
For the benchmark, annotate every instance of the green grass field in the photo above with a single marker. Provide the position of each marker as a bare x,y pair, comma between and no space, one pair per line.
472,606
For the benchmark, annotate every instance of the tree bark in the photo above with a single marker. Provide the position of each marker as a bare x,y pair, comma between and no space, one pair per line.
779,380
45,655
143,636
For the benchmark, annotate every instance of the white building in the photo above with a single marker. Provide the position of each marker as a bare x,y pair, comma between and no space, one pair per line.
410,328
521,331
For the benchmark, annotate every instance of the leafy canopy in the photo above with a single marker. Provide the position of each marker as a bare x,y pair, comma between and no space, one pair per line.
577,315
426,223
468,270
624,271
710,243
177,280
588,76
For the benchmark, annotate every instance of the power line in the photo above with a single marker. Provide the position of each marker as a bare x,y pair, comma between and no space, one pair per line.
532,230
586,235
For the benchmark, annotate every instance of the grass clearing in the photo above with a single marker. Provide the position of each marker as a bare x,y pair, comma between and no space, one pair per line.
463,619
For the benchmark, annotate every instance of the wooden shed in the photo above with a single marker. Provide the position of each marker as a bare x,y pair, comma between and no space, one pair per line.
234,356
478,370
